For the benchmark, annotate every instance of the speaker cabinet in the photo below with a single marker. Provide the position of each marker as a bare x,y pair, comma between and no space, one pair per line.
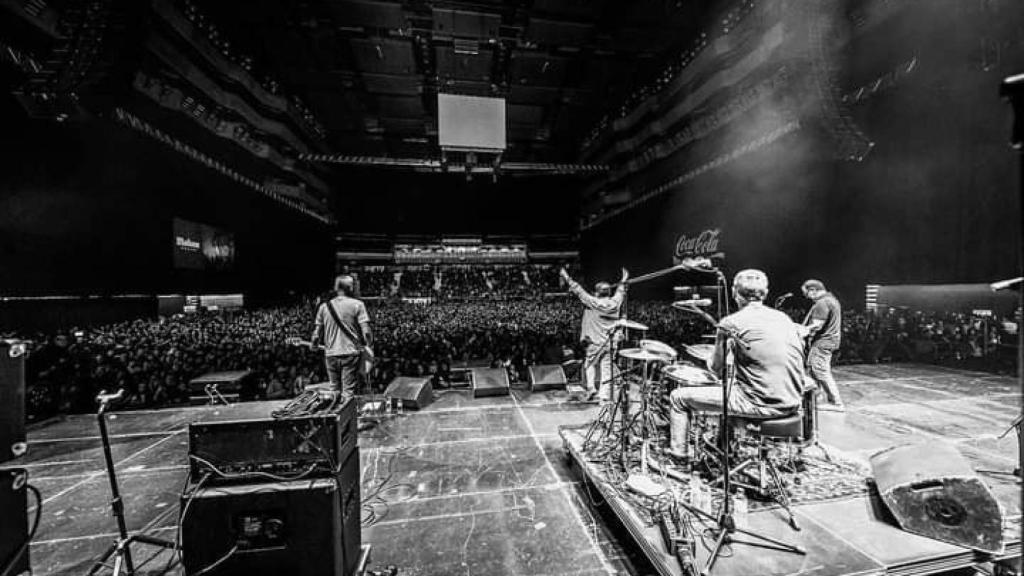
13,520
414,393
489,382
12,401
308,527
547,377
281,446
933,491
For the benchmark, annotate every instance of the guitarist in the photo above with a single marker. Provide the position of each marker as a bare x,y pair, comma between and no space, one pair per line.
343,328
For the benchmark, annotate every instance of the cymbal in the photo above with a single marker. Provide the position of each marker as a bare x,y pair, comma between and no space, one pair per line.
701,351
641,355
659,347
630,325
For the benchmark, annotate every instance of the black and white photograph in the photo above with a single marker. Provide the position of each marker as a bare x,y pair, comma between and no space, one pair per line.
511,287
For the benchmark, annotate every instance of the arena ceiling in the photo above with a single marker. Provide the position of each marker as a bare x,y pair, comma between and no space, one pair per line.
263,91
370,70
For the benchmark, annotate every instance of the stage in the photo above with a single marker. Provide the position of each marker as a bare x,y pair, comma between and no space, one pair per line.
485,486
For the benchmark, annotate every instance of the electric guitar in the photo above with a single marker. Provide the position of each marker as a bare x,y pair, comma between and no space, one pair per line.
366,357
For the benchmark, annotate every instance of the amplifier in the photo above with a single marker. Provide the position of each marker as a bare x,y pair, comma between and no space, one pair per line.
300,527
12,401
13,521
245,450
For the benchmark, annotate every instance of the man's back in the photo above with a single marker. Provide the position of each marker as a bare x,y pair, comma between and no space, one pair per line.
771,370
351,312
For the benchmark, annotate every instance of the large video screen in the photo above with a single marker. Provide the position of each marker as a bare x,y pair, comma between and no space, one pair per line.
470,122
201,247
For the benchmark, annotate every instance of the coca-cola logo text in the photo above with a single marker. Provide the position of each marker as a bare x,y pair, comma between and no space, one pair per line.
703,244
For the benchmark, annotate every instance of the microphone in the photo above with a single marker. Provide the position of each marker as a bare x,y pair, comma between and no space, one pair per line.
781,299
695,263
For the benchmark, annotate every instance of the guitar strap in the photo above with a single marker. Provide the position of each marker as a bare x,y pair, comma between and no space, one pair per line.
357,340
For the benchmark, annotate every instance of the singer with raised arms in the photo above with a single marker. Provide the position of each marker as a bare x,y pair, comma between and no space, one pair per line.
601,311
768,363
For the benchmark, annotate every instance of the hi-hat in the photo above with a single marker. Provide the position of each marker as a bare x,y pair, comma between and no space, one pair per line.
630,325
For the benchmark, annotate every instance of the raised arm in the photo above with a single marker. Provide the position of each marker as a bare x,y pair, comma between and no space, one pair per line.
603,305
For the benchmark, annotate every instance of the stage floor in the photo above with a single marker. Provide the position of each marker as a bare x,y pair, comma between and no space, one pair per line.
484,486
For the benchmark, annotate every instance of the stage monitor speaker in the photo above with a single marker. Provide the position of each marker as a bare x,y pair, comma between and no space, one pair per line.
933,491
413,393
13,521
12,401
489,382
547,377
308,527
227,385
243,449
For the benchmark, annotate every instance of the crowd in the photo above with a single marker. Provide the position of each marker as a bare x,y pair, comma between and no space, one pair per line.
945,338
458,281
153,360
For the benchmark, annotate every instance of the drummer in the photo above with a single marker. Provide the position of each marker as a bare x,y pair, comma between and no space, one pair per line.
769,365
602,310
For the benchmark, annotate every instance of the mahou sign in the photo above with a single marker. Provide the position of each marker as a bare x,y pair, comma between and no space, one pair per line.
703,245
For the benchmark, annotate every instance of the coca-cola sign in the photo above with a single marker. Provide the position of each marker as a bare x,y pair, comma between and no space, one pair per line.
703,245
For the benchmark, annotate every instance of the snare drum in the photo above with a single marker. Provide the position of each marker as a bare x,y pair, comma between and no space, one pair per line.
686,375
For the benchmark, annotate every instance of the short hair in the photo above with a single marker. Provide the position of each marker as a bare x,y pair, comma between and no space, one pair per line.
813,284
751,284
345,283
602,287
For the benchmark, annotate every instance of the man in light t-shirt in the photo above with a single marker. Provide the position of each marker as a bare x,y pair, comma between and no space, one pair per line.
343,345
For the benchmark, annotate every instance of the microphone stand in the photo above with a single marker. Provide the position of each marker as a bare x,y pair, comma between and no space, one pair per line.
726,524
1012,89
121,548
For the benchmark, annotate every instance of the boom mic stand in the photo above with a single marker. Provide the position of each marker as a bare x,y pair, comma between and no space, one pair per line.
121,548
726,524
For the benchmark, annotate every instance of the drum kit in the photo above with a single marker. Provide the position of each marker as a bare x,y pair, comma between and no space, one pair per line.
659,368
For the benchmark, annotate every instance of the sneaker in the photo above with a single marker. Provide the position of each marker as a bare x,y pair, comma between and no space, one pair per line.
830,407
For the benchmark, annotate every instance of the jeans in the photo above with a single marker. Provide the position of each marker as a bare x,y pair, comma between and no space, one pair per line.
819,364
598,374
344,375
708,400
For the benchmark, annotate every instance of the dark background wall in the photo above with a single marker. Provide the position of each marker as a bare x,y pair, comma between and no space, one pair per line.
375,200
935,200
87,208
